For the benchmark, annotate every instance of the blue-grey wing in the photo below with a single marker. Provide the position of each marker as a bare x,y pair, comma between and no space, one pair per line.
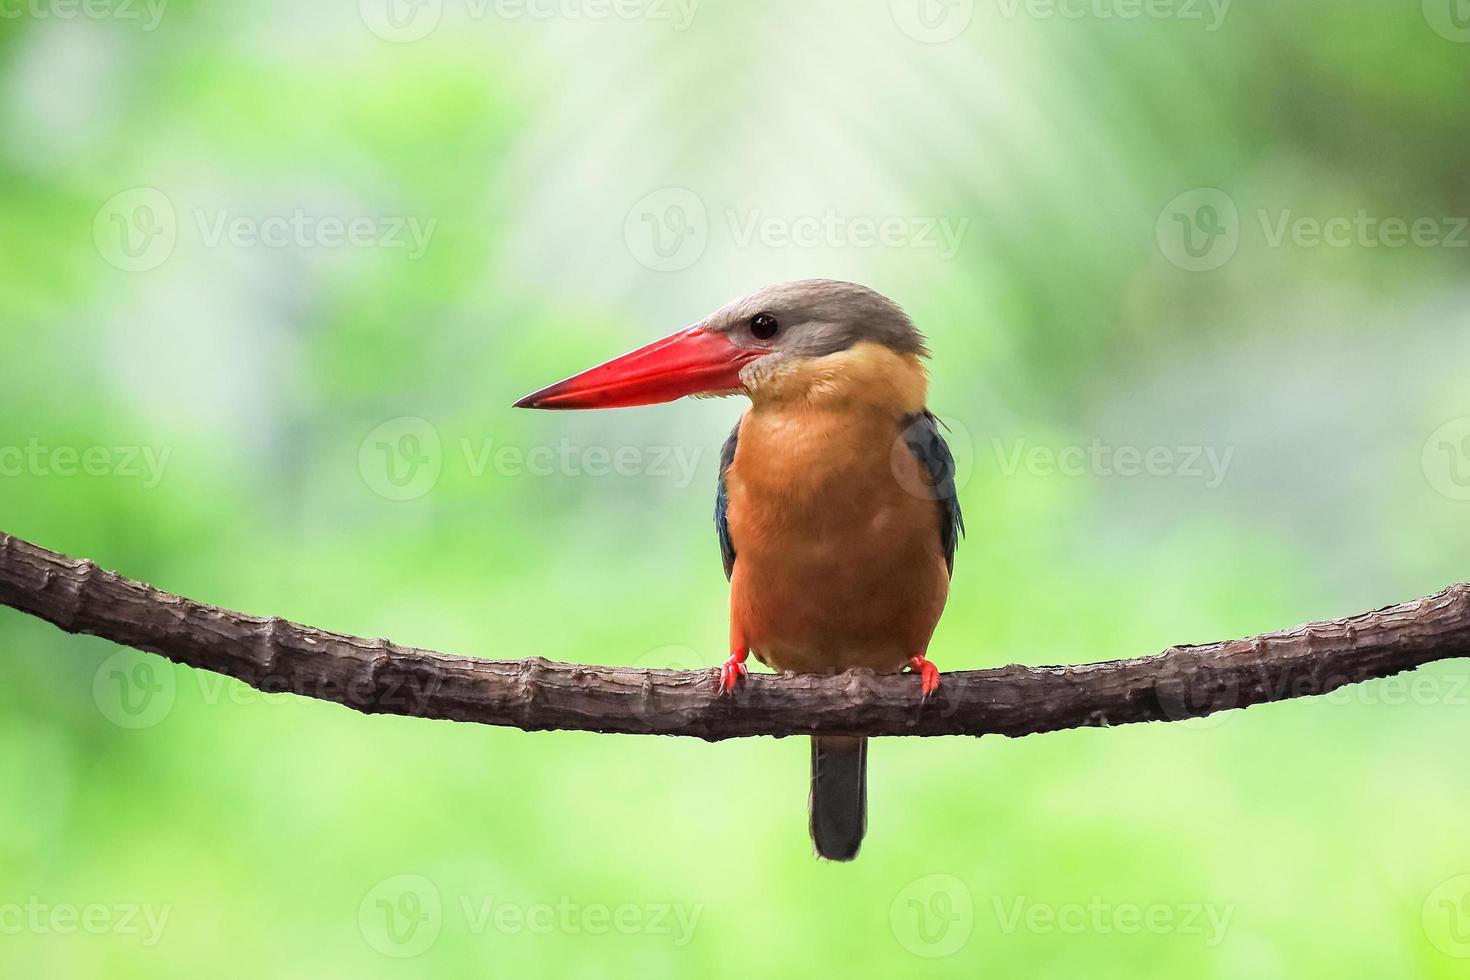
921,432
722,503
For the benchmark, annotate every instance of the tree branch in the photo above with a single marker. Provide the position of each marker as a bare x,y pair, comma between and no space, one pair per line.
376,676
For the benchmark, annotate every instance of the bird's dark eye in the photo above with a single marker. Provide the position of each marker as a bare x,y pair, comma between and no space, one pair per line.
763,326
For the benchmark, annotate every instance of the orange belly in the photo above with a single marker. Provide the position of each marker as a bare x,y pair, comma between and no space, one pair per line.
837,564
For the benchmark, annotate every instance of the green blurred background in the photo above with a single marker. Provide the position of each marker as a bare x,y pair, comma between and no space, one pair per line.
275,271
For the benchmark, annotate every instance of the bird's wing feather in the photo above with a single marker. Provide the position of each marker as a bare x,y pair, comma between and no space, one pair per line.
722,503
921,432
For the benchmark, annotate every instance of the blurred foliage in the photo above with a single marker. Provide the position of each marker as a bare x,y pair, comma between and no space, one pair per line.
268,381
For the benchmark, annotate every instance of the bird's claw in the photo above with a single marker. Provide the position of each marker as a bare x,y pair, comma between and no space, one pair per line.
928,674
731,673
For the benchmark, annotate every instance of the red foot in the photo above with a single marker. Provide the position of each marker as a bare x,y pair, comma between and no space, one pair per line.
733,670
928,674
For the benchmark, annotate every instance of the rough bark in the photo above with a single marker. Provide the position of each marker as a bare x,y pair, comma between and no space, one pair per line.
376,676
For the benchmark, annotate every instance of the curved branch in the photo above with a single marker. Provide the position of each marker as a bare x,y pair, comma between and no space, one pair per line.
376,676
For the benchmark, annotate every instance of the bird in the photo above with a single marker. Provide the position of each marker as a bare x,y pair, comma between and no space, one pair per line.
836,510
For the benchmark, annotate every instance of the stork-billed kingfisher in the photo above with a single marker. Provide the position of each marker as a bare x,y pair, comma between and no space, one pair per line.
836,509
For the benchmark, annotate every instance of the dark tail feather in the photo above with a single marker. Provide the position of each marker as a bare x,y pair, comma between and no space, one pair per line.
839,803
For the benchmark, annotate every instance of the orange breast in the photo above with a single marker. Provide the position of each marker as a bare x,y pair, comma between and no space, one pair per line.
838,565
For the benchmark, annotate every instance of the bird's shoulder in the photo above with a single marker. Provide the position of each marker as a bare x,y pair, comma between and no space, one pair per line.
722,501
926,442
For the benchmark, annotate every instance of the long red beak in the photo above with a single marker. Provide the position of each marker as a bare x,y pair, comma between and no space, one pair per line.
693,361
